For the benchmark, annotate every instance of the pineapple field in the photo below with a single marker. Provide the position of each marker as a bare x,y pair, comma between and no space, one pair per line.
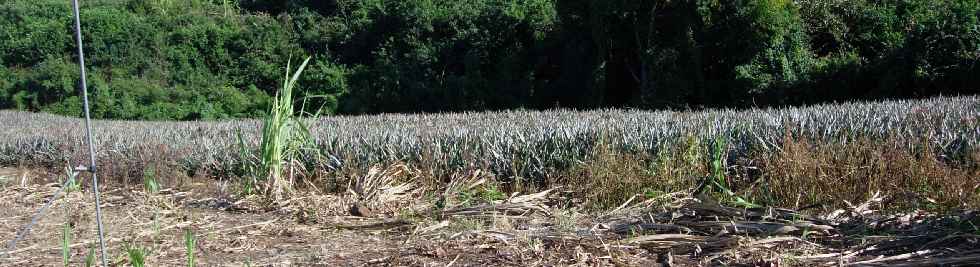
489,133
864,183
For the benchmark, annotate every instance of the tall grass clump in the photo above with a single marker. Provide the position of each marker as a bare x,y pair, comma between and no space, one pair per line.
284,136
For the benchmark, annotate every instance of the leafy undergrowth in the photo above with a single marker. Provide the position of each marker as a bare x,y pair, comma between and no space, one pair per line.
471,222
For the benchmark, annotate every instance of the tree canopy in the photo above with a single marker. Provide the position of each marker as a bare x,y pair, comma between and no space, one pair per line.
209,59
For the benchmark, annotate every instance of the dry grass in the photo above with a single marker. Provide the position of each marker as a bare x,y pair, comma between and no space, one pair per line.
524,229
803,174
827,175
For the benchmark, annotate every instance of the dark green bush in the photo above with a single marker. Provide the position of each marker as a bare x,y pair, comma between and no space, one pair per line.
909,48
30,31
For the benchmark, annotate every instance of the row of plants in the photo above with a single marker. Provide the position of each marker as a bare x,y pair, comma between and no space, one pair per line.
516,143
520,148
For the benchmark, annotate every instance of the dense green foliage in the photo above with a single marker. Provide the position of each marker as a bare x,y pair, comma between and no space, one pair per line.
201,59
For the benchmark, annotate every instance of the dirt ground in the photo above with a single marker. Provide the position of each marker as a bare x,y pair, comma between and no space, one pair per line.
238,232
311,229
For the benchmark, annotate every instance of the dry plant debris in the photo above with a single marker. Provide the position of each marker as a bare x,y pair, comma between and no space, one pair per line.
532,229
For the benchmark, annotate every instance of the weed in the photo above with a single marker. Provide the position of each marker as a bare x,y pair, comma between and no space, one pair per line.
692,153
719,175
71,184
65,243
491,193
250,179
150,182
284,135
535,245
156,225
190,243
649,193
90,257
479,195
137,255
718,156
566,220
411,214
66,236
211,233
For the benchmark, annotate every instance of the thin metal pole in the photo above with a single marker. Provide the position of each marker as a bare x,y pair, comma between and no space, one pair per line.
88,132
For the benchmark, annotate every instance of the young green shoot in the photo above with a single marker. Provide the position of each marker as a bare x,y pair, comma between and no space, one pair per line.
190,243
150,181
65,244
137,255
90,257
66,237
719,173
